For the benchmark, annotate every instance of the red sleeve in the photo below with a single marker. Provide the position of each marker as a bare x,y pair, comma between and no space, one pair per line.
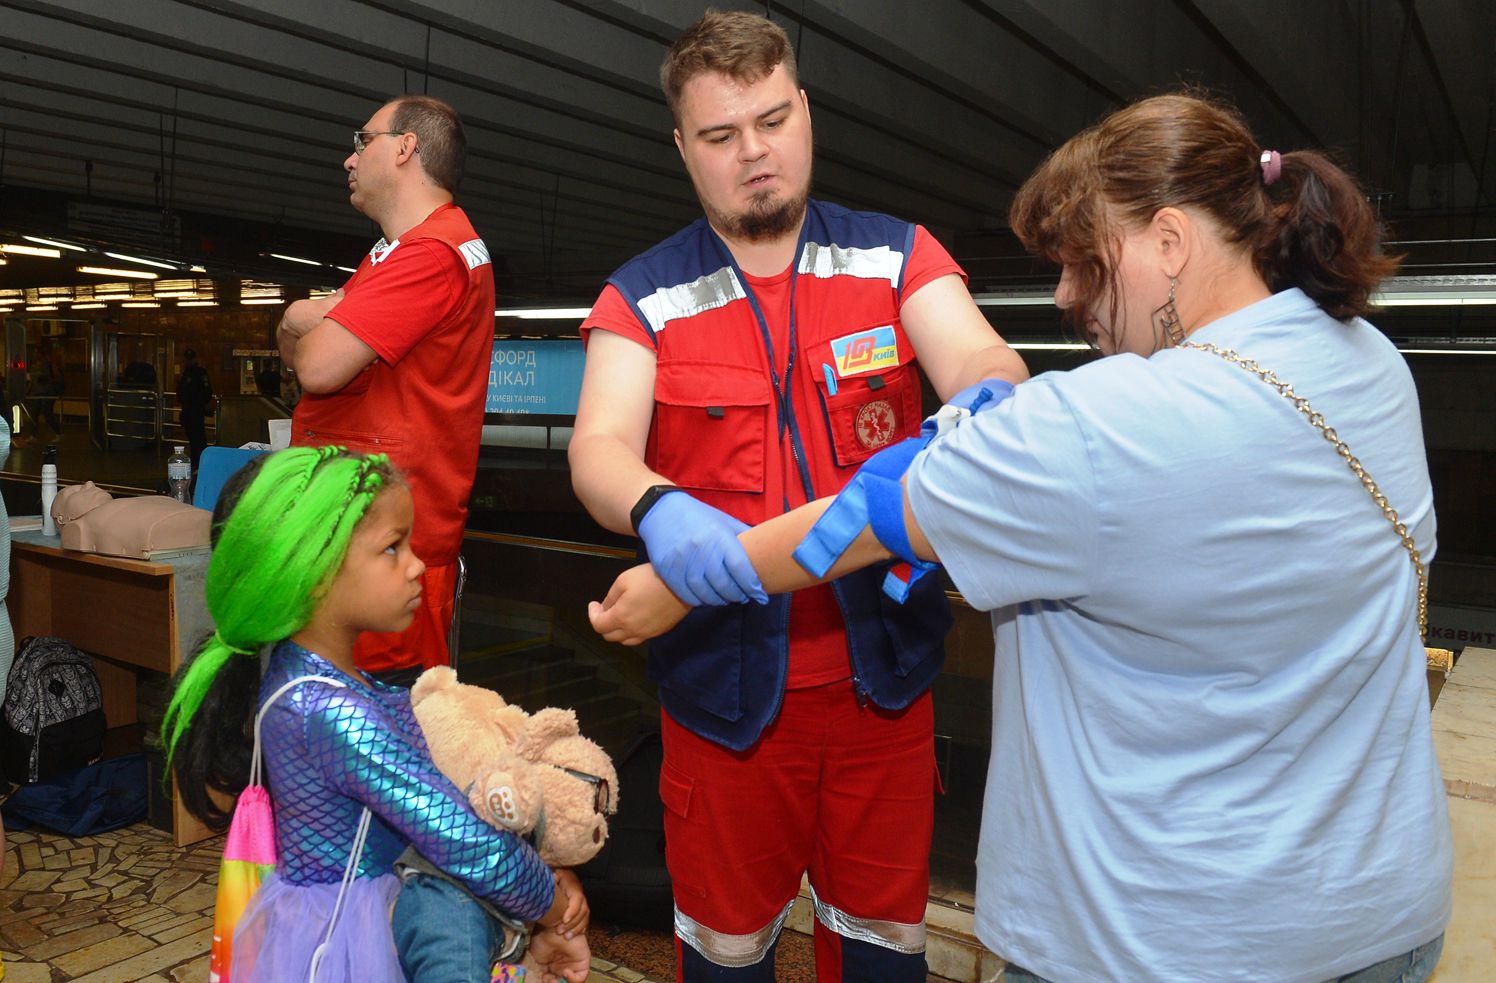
397,302
927,261
613,313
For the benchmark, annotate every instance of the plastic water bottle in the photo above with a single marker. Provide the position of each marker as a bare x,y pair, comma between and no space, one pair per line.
49,489
179,474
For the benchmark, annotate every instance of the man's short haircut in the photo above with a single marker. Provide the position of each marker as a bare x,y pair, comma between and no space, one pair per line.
745,47
439,136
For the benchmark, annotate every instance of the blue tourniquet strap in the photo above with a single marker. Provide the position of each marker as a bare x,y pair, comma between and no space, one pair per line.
874,497
885,513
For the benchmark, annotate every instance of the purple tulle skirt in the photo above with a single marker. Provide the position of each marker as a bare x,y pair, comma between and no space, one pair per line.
285,923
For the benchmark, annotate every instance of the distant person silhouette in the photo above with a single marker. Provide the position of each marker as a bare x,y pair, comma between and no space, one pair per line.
195,399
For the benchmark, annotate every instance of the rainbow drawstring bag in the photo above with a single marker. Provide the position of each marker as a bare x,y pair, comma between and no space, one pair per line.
249,851
248,858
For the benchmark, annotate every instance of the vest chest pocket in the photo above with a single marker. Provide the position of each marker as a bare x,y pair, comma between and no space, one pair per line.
711,425
867,411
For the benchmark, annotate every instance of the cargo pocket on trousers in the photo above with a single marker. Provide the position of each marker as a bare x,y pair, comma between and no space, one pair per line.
676,790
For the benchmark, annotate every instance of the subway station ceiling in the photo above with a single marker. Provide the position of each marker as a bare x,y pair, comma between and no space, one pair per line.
217,129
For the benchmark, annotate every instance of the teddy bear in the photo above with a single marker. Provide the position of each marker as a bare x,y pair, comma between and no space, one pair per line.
528,773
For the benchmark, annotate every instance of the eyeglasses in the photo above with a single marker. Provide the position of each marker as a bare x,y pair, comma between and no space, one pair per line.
361,138
601,796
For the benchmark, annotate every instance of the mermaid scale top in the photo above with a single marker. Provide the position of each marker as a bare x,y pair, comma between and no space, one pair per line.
329,751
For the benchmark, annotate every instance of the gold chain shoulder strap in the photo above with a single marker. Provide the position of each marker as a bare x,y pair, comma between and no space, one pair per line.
1437,658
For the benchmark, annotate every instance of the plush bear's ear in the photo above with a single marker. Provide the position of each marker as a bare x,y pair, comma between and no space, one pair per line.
433,680
545,727
508,720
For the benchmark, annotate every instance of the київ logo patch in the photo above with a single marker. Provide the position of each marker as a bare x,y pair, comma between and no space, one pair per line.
865,351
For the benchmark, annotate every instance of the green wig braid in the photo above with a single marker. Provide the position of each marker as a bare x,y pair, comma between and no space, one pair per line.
275,553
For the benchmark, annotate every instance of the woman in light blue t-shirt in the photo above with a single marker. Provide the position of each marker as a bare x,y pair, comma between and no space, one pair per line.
1211,753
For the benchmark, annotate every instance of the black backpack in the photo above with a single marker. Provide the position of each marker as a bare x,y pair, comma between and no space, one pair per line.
54,716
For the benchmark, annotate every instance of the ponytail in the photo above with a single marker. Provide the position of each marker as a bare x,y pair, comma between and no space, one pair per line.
1322,237
1303,221
280,532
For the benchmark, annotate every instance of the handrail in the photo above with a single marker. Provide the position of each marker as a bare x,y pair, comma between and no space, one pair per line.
552,545
591,549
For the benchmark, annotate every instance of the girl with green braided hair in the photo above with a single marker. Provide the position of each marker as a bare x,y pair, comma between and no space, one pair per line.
311,546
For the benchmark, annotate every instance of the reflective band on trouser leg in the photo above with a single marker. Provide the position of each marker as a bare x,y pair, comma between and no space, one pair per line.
730,951
904,937
867,950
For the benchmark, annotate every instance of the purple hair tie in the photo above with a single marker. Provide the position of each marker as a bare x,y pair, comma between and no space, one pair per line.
1272,166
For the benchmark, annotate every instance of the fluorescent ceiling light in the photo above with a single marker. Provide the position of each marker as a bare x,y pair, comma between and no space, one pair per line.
41,307
197,303
198,269
345,269
295,259
110,271
546,313
1447,351
1463,290
144,262
53,242
1015,298
1402,291
140,303
1430,300
262,300
91,305
8,247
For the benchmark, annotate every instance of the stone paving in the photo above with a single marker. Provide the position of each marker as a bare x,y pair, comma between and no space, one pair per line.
122,906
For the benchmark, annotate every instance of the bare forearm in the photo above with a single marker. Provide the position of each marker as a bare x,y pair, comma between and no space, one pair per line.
995,362
771,545
609,477
286,340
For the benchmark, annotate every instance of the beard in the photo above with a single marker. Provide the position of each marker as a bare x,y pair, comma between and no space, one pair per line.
766,218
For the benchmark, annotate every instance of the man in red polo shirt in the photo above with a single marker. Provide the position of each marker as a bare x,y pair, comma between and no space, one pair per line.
397,361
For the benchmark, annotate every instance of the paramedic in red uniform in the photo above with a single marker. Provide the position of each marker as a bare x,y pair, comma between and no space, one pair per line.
397,361
744,366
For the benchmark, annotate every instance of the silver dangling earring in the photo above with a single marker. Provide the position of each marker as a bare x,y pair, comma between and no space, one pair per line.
1167,316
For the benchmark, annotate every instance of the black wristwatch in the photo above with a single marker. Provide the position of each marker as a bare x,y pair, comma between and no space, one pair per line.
646,502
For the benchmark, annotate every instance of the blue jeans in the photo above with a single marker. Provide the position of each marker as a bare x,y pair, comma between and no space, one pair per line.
1410,967
442,934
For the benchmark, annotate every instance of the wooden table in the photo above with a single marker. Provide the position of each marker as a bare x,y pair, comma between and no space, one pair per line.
126,613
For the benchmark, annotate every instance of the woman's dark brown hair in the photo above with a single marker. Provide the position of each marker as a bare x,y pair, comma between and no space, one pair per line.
1312,228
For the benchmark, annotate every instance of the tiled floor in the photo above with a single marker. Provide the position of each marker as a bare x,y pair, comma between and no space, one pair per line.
125,905
128,905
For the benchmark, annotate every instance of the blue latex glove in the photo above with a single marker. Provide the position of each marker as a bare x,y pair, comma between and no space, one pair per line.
695,550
